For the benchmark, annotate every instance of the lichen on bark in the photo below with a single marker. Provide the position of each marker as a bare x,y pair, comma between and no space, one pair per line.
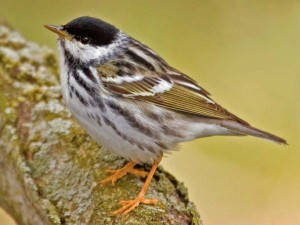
50,168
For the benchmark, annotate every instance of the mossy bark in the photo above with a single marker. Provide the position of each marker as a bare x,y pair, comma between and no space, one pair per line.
50,167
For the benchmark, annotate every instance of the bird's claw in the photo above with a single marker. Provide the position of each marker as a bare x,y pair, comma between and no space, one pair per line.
119,173
129,205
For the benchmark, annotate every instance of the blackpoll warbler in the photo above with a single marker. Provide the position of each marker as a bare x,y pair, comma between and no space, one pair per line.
132,101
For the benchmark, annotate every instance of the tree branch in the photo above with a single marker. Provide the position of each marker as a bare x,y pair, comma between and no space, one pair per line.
50,167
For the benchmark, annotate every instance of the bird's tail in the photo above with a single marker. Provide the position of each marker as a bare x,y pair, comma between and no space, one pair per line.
245,129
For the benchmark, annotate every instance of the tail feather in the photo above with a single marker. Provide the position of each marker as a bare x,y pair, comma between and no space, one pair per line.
245,129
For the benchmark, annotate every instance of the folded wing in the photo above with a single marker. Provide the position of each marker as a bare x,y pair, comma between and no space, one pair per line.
172,90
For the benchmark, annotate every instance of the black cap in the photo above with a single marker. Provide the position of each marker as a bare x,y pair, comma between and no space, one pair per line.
91,30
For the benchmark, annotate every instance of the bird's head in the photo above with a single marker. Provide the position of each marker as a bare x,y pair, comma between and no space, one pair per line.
88,39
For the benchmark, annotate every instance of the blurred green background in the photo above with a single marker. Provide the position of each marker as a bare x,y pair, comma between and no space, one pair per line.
246,53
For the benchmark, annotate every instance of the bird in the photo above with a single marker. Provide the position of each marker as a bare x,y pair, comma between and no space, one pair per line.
132,102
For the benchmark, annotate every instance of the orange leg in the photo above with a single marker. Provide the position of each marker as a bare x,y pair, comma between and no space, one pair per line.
130,205
117,174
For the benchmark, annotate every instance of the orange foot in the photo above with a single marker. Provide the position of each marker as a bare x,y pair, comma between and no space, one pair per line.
130,205
117,174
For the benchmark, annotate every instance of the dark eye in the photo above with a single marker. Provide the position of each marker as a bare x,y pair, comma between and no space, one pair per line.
85,40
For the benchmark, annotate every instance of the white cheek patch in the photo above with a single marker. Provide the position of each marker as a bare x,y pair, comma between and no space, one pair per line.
72,48
86,52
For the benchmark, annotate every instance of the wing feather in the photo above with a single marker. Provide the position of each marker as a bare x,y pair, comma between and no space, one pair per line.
167,88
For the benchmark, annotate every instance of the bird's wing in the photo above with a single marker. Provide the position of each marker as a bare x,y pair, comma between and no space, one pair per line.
164,87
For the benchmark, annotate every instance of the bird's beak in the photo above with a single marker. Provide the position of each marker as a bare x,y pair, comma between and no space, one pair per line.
59,31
